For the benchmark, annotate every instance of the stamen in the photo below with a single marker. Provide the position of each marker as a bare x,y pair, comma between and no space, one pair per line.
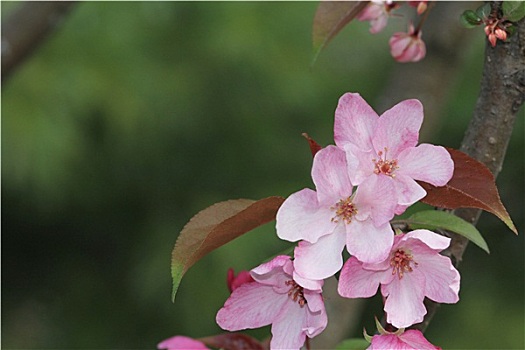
385,166
296,292
345,210
400,263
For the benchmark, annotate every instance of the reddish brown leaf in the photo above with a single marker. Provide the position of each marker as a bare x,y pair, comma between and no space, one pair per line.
215,226
471,186
330,18
233,341
314,146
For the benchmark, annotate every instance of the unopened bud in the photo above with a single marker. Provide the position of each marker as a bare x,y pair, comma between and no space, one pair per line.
492,39
421,7
488,30
501,34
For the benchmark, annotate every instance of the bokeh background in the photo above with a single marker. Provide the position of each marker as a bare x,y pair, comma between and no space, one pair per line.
134,116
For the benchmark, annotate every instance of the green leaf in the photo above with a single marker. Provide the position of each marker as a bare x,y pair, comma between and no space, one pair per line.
469,19
513,10
484,11
215,226
433,219
330,18
353,344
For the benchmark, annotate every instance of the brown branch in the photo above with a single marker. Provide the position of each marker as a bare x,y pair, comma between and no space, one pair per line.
26,28
486,139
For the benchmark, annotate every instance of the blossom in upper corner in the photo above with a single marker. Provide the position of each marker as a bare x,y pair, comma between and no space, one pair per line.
294,307
421,6
377,12
386,148
402,340
179,342
333,216
236,281
407,47
413,270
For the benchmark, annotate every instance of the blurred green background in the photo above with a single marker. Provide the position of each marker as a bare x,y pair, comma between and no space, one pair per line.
135,116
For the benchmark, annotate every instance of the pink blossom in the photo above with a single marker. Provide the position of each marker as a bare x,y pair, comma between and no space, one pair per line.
413,270
384,148
420,5
408,340
407,47
235,281
377,12
179,342
294,307
333,216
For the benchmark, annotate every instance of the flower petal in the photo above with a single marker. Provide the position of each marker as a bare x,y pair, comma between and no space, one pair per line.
427,163
322,259
330,176
408,191
398,128
415,339
367,242
300,217
442,279
386,342
376,198
316,318
359,162
431,239
272,272
404,299
252,305
354,121
287,328
356,282
181,342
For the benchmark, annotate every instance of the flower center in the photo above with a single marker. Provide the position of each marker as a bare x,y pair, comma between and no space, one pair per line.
345,210
296,292
385,166
400,262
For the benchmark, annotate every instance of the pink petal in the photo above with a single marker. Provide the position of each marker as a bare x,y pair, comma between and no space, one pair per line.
308,284
398,128
404,299
287,329
367,242
386,342
354,121
356,282
181,342
252,305
330,176
316,318
415,339
376,198
408,191
442,279
300,217
378,24
322,259
398,44
427,163
360,164
314,301
431,239
272,272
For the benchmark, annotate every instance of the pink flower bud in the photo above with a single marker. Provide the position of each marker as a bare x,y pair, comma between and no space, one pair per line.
500,34
407,47
236,281
492,39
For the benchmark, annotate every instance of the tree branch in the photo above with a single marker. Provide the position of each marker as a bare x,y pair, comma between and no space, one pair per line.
26,28
486,139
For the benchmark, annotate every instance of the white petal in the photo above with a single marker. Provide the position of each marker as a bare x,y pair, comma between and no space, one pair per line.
427,163
322,259
442,279
287,329
431,239
369,243
272,273
360,163
376,198
300,217
407,190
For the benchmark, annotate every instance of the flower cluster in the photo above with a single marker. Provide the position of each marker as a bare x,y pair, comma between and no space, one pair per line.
404,46
370,175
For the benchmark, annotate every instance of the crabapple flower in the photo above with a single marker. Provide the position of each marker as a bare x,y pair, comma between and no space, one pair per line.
408,340
413,270
294,307
333,216
384,149
407,47
180,342
377,12
421,6
236,281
